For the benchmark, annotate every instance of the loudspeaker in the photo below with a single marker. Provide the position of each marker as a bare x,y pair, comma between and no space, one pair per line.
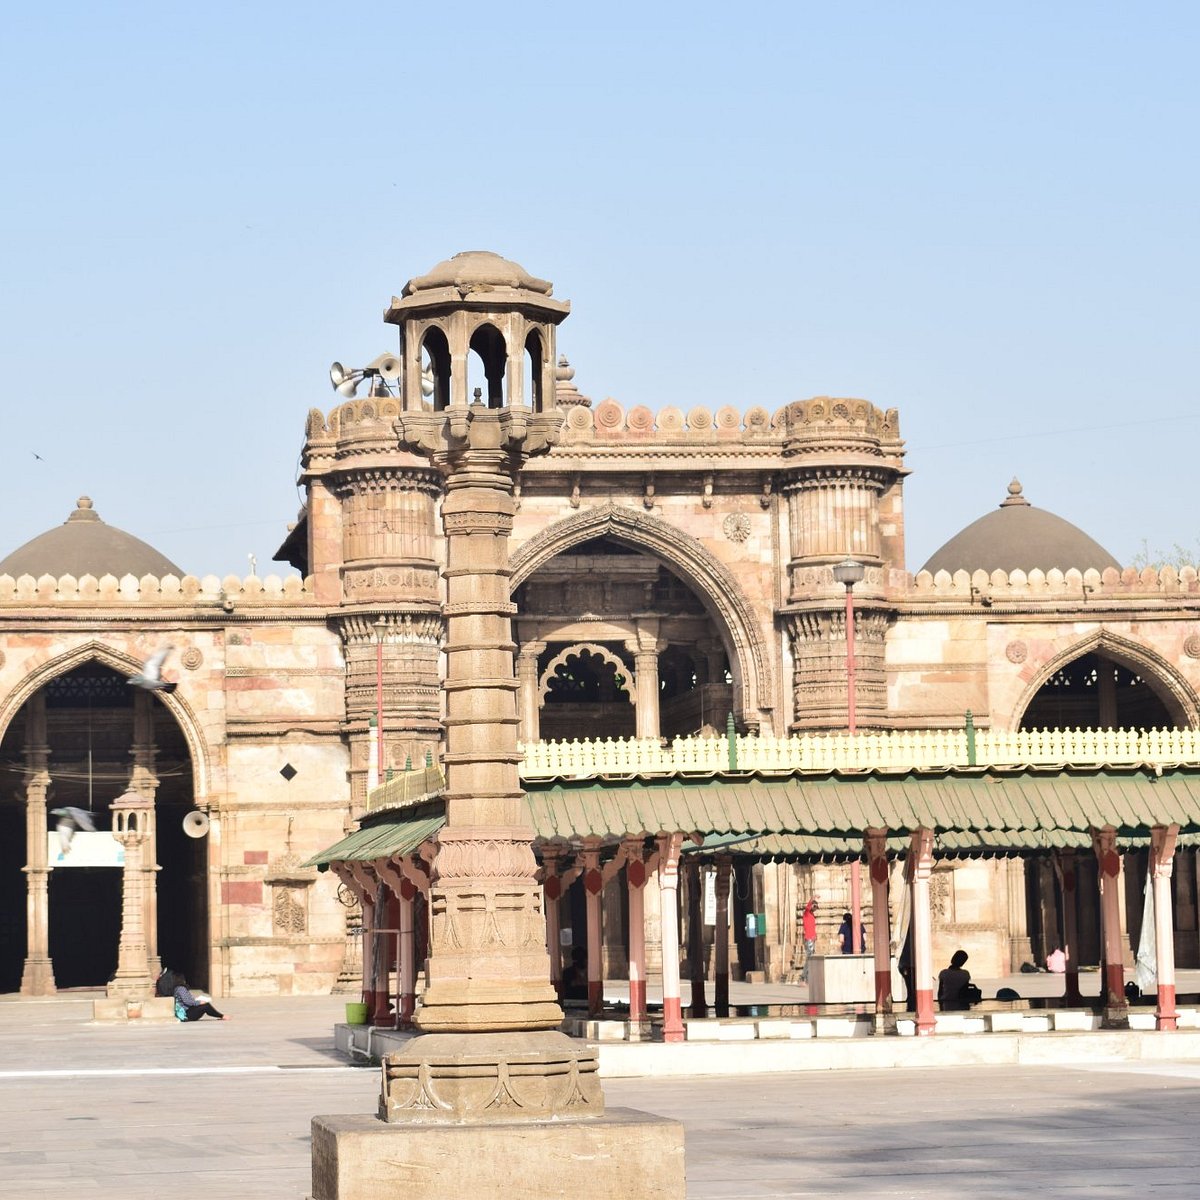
195,824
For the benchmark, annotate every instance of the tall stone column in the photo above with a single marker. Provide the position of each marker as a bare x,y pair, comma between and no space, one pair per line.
1020,948
668,880
721,935
920,868
143,779
1162,857
875,844
488,972
37,977
645,664
530,693
1108,858
134,817
1066,862
695,937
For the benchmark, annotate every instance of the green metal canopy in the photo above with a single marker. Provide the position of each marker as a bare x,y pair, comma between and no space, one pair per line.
381,839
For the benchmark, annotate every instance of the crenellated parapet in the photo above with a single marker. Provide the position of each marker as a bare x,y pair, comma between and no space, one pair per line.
998,587
188,591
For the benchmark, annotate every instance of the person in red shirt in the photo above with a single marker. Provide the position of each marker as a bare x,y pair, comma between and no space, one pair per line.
808,928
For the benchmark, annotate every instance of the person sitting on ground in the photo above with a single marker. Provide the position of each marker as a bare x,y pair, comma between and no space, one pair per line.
191,1008
955,986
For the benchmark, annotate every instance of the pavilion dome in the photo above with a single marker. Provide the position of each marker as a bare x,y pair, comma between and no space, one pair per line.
477,270
1018,536
84,545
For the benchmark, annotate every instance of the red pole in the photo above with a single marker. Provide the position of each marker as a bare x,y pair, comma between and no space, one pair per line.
379,705
852,727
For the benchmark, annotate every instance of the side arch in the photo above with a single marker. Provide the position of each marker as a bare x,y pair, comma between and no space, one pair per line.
1174,691
94,651
712,581
572,651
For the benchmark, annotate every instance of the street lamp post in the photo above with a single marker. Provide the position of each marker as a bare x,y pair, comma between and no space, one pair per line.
848,573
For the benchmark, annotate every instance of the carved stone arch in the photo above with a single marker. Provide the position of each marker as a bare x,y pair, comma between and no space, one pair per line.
598,651
712,581
93,651
1164,680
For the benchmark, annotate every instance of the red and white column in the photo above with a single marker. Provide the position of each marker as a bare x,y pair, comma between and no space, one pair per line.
875,844
721,936
1108,859
668,882
551,892
920,865
636,874
1068,876
593,887
1162,859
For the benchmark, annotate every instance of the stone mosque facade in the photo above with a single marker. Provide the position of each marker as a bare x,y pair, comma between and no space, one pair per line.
670,568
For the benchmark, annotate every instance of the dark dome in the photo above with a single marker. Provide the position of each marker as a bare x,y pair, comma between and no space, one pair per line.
1020,537
84,545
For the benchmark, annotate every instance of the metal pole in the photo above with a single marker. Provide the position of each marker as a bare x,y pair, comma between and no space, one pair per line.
852,726
379,698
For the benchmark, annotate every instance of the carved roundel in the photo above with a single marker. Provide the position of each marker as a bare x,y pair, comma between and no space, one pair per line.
737,527
1016,652
1191,647
191,658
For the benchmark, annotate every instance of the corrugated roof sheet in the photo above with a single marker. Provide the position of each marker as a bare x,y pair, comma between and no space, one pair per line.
381,839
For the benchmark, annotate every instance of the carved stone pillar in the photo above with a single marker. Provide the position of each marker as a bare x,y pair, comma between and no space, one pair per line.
143,779
488,970
645,651
530,698
134,821
37,977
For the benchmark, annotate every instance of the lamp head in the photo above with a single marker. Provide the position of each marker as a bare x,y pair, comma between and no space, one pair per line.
849,572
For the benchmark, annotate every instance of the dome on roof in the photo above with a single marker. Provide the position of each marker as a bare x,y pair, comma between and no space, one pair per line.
477,270
1018,536
85,545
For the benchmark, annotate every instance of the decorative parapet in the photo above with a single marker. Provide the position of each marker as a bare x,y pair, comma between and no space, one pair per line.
999,586
229,593
609,421
895,750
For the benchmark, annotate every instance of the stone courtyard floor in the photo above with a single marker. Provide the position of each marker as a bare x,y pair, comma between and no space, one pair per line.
221,1110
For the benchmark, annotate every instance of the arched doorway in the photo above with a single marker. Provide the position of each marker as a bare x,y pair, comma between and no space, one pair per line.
86,736
1094,691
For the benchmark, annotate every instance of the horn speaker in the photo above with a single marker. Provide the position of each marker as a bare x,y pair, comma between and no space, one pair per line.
195,824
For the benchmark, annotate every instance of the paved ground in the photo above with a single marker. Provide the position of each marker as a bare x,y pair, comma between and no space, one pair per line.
221,1111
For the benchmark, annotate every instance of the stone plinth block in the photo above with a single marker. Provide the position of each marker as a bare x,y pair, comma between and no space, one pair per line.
622,1153
502,1077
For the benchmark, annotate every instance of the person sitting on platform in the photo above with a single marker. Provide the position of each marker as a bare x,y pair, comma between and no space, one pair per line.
956,992
192,1008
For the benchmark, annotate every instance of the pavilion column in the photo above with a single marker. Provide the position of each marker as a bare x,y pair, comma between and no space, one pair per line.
645,665
392,873
875,844
1020,947
134,817
1067,863
920,867
551,894
696,961
529,696
1163,839
361,879
593,889
143,779
1104,843
37,976
668,881
721,935
636,873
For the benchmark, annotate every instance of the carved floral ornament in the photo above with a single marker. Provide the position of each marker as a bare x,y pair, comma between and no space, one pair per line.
191,658
1191,647
1016,651
736,527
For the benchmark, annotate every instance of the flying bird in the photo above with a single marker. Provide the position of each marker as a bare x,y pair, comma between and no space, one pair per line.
150,678
70,820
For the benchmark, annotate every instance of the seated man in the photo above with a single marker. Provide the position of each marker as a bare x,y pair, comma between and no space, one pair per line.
956,992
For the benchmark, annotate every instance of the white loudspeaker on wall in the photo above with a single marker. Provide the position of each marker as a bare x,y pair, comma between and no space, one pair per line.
195,824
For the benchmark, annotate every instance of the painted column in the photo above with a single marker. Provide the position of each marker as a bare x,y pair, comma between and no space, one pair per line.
37,977
362,879
551,893
921,867
875,844
1104,843
695,881
134,817
721,935
668,882
1162,856
1067,863
635,877
593,889
530,693
403,893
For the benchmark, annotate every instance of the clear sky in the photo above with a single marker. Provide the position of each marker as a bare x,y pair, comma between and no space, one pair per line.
984,214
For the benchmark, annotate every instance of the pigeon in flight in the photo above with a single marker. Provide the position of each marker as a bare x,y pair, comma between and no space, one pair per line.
70,820
150,678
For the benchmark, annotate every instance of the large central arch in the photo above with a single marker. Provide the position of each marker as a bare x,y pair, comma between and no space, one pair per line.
712,581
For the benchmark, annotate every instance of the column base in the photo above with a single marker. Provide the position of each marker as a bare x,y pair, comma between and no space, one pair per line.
622,1153
490,1077
37,979
129,986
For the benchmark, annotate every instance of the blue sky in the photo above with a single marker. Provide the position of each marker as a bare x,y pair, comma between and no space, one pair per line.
982,214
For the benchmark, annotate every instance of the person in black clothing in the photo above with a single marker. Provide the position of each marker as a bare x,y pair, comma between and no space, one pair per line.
193,1009
954,985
